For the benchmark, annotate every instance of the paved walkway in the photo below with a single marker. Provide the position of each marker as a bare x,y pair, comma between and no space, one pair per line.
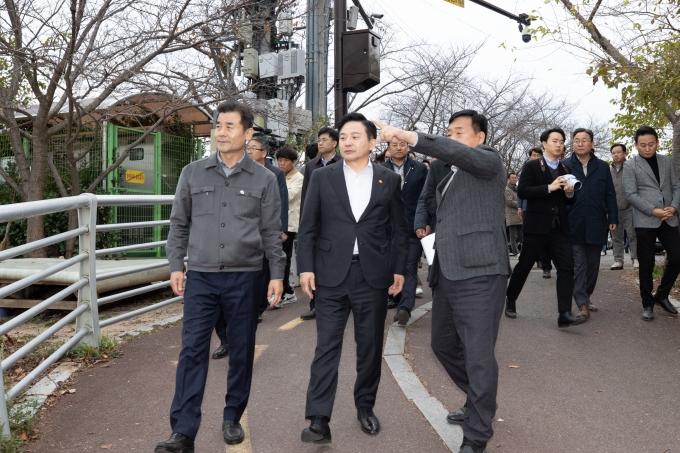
610,385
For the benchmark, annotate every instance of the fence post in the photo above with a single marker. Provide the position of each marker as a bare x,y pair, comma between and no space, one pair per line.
4,415
87,216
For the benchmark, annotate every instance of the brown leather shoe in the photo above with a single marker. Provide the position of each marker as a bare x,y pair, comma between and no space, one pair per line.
592,307
583,312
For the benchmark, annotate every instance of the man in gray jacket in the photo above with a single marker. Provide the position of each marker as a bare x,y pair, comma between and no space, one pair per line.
652,187
618,151
472,266
226,217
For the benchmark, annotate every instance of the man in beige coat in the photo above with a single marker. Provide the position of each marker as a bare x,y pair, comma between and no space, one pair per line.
512,220
286,157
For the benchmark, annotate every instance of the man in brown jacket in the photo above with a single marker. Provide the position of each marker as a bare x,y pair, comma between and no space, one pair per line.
618,151
512,220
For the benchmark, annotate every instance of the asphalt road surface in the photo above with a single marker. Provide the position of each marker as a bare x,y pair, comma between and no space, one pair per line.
609,385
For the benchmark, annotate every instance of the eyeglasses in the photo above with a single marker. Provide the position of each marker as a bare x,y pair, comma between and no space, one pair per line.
578,142
250,148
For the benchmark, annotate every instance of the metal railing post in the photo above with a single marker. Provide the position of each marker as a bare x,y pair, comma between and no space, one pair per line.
87,216
4,415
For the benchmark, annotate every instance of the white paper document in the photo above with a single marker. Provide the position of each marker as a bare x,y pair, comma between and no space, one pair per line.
428,247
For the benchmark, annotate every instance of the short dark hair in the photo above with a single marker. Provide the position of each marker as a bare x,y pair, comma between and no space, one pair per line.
583,129
511,173
371,130
286,152
411,152
645,130
332,133
262,141
247,117
623,147
425,161
546,134
479,121
535,149
312,150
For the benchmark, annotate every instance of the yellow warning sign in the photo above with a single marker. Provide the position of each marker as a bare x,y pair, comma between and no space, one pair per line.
134,176
460,3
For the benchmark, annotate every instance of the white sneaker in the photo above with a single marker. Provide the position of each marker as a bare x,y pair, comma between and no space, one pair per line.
288,299
419,291
636,264
617,266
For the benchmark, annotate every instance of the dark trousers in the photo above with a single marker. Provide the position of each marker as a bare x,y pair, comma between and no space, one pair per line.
407,297
466,315
545,261
586,270
205,294
515,236
221,329
333,307
288,250
646,239
559,246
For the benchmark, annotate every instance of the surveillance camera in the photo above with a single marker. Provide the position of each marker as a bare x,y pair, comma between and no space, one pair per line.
526,37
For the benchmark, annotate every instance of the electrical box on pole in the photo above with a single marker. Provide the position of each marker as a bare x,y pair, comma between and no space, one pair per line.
250,64
360,60
352,17
291,63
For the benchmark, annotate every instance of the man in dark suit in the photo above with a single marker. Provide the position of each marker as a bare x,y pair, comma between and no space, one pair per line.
328,141
471,265
413,175
344,255
653,188
546,225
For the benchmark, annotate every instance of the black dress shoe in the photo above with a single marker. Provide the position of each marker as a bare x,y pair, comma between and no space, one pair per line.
259,318
402,316
369,422
458,417
510,309
468,447
233,432
311,314
221,352
665,304
566,319
178,443
647,313
392,304
318,432
546,274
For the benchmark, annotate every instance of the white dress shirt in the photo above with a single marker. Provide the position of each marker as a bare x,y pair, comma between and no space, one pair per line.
359,187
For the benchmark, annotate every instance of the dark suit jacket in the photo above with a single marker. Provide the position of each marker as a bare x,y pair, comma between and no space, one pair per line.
533,187
415,174
428,197
328,230
313,164
283,191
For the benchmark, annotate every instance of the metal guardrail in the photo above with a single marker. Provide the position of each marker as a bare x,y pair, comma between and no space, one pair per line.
86,313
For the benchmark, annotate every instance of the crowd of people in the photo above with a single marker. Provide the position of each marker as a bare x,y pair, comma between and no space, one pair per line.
358,224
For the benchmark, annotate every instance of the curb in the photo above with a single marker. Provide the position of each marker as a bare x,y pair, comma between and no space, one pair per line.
414,390
38,393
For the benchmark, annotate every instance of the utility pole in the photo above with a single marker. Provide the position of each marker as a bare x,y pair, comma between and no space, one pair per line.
340,26
317,56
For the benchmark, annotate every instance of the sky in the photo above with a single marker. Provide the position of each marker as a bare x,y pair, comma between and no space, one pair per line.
555,67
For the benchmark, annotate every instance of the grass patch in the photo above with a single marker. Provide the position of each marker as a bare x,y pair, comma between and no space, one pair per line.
22,419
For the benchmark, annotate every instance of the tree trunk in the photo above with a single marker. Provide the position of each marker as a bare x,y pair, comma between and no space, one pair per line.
36,191
676,143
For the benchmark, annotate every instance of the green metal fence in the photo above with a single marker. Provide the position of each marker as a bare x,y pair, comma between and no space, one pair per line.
152,167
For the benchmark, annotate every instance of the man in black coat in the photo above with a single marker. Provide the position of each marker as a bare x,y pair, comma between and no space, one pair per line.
344,255
591,216
328,141
413,175
546,225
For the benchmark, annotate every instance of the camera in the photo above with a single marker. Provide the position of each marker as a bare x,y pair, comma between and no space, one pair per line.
526,37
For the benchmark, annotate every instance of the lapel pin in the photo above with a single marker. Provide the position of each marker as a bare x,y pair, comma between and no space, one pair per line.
380,181
242,192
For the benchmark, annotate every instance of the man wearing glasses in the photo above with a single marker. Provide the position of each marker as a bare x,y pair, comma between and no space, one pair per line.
328,141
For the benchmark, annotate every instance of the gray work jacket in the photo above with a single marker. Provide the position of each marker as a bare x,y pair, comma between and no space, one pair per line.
226,224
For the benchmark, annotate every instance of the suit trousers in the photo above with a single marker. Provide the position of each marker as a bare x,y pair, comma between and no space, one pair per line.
559,246
515,236
586,270
625,224
407,297
205,294
333,306
466,315
670,239
288,250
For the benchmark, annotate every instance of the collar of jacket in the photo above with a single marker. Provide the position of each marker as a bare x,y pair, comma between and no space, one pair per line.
292,173
404,165
335,158
246,165
575,160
